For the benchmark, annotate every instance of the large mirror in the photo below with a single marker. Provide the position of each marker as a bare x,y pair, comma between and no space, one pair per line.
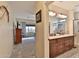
57,23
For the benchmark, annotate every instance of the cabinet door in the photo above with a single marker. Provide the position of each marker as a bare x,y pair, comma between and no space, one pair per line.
53,51
60,45
18,36
67,42
53,48
71,42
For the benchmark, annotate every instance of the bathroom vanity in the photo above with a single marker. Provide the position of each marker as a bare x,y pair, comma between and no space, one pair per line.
60,44
60,37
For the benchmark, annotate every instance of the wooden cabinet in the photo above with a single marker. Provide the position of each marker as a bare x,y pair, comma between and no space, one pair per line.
18,36
60,45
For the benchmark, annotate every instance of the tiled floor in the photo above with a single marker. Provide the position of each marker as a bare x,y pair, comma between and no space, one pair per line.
27,50
24,50
73,53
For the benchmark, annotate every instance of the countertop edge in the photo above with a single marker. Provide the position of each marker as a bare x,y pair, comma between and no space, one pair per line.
61,36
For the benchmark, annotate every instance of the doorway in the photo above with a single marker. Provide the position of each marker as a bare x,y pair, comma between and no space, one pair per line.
25,49
76,32
28,39
28,32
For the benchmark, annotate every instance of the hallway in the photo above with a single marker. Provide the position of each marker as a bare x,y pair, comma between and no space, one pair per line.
24,50
48,28
24,15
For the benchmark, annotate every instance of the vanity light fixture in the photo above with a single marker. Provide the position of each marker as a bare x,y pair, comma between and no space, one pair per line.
61,16
62,20
51,13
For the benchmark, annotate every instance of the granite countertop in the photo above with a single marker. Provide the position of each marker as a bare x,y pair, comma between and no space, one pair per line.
60,36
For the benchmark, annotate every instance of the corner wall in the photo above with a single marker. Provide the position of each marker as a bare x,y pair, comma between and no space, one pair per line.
42,43
39,34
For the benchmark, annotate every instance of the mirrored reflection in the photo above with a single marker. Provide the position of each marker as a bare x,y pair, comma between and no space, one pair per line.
57,24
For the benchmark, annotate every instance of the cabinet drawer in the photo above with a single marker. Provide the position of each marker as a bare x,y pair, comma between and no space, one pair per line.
54,51
53,41
67,48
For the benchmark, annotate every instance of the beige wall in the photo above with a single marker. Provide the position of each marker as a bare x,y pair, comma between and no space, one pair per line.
42,43
46,29
57,9
39,34
6,34
70,21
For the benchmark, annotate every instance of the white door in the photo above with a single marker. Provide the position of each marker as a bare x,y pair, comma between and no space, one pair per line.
76,32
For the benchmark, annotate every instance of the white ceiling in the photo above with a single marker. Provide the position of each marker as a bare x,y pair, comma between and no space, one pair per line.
23,9
26,9
68,5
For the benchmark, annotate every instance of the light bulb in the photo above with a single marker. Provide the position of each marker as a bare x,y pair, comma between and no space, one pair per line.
51,13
